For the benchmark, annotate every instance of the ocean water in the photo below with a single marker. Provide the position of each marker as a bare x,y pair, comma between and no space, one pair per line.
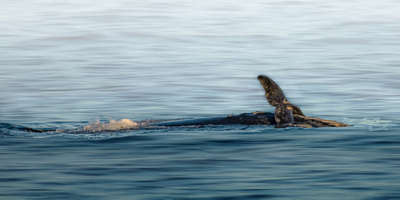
98,71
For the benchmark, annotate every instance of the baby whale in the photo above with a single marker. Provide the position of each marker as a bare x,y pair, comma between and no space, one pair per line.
286,114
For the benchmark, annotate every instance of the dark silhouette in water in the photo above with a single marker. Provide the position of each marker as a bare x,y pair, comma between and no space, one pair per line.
286,114
255,118
23,128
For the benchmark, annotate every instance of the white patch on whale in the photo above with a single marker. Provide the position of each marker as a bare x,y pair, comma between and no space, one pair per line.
112,125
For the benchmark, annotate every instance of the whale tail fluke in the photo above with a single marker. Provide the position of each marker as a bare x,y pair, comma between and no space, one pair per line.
275,95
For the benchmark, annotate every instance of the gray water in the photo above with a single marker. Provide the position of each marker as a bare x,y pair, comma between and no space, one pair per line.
68,64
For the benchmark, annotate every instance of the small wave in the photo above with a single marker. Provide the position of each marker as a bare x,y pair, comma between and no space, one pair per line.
372,124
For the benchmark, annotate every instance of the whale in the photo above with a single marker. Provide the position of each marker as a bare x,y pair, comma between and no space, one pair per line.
286,113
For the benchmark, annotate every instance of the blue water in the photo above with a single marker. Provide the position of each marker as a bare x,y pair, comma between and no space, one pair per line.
67,65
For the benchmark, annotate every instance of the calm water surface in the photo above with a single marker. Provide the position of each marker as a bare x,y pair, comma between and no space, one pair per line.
67,64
